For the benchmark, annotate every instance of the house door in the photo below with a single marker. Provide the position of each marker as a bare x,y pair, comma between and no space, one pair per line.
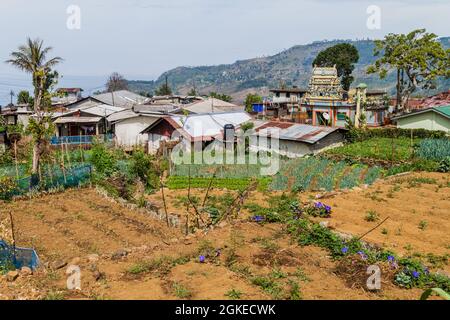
74,130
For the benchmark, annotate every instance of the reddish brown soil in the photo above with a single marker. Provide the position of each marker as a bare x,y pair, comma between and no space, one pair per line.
77,223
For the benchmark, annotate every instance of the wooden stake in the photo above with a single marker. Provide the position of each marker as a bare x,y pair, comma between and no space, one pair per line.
164,201
365,234
15,157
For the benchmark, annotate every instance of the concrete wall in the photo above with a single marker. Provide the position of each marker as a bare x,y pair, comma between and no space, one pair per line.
128,132
427,120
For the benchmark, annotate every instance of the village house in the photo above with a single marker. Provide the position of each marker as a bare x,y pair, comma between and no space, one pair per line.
82,124
128,124
204,128
295,139
66,96
285,102
17,114
431,118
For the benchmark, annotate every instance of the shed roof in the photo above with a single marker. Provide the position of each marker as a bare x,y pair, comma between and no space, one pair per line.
77,120
295,131
442,110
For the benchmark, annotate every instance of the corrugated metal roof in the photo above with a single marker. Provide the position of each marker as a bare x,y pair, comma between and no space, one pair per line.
122,98
212,105
295,131
205,126
77,120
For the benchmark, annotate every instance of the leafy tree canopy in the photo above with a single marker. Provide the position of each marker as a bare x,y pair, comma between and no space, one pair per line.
221,96
24,97
344,56
418,57
251,99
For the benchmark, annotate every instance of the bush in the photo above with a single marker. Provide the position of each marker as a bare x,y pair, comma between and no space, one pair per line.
444,165
103,160
7,187
363,134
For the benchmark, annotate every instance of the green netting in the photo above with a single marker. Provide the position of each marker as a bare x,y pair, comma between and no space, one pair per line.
58,178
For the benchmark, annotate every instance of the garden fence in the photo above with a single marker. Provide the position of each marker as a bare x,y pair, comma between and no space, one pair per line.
18,257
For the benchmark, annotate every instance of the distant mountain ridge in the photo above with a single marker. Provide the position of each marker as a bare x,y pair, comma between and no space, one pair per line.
292,66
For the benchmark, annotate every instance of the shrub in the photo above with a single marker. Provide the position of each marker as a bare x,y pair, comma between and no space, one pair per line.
104,161
7,187
444,165
372,216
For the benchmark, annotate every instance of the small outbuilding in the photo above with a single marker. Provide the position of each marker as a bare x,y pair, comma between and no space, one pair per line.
434,118
296,140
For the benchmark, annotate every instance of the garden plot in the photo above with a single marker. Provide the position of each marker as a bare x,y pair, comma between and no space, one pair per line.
255,261
418,207
315,173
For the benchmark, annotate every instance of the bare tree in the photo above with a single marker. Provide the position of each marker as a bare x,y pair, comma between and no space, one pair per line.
116,82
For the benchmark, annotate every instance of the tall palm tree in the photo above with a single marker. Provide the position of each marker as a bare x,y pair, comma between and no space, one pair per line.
32,58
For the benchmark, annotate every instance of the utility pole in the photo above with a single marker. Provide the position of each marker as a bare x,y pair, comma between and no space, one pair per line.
12,94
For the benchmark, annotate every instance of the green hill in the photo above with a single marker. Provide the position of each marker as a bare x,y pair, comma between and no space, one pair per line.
292,66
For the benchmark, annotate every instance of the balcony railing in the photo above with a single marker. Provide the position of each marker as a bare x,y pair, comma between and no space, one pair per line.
81,139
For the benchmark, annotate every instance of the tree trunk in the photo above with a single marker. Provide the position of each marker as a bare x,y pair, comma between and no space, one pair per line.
398,101
36,157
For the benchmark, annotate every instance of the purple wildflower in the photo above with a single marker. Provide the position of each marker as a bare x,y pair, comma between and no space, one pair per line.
258,218
344,250
391,258
318,205
362,254
328,209
426,271
416,274
202,259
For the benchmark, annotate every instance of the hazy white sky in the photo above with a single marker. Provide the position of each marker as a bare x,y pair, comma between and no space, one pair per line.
143,38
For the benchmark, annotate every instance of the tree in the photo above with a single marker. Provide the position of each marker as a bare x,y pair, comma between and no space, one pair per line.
418,59
32,58
164,89
220,96
250,100
23,97
343,56
192,92
116,82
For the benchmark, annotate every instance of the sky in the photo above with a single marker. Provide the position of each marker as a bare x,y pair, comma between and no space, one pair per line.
143,38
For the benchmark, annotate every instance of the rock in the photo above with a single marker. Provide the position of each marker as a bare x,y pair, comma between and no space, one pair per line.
12,276
119,254
93,257
324,224
97,275
222,224
26,271
58,264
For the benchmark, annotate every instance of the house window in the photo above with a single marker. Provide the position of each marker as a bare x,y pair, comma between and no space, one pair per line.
341,116
288,94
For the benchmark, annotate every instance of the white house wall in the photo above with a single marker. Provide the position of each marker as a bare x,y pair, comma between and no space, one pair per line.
128,132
